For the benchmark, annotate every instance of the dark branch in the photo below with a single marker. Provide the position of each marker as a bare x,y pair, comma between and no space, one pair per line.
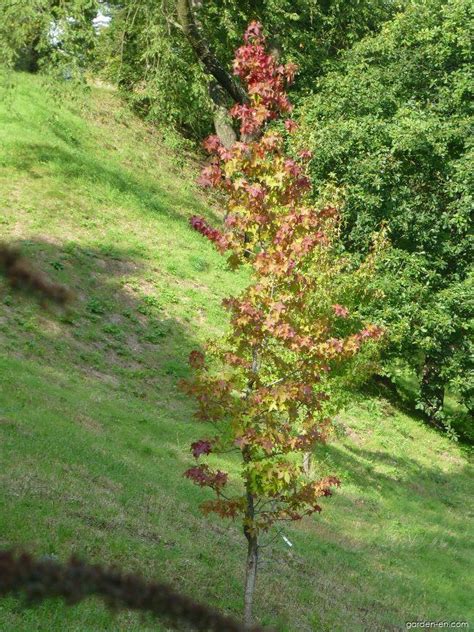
203,51
40,579
21,274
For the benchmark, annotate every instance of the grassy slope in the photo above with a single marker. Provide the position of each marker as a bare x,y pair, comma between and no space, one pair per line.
94,432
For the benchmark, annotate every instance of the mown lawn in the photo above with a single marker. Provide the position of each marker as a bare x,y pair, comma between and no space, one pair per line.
95,433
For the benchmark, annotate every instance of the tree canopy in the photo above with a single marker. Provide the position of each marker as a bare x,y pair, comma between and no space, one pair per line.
392,127
50,34
147,45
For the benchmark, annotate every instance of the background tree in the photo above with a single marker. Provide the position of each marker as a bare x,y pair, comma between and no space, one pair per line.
392,125
47,34
265,386
193,42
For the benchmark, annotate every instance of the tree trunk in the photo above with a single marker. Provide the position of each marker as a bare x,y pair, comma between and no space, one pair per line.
251,566
432,390
223,85
307,463
29,57
204,53
222,119
249,531
223,126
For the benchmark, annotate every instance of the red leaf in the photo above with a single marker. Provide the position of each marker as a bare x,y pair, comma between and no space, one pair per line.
340,310
203,446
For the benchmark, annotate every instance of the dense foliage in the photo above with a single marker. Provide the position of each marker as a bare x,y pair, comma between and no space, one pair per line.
146,51
48,34
265,386
393,127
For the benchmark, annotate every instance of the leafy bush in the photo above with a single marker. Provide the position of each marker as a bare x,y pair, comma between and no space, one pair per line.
146,52
392,126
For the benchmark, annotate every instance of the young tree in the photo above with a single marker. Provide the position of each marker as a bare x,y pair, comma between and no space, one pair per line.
264,387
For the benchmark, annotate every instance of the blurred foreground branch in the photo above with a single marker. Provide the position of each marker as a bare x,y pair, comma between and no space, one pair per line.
21,274
75,580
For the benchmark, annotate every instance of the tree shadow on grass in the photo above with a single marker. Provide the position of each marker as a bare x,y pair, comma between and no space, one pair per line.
114,357
402,395
392,545
74,165
104,340
75,157
116,330
94,433
414,503
383,386
402,476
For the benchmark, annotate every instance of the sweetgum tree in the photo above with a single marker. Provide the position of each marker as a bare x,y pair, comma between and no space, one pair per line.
264,387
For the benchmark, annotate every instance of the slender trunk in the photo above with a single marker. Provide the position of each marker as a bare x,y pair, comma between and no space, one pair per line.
34,57
251,565
249,525
432,390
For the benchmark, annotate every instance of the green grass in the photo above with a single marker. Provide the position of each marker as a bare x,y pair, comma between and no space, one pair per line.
95,433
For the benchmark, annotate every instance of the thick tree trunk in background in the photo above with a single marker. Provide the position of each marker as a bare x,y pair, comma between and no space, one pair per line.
222,119
223,86
223,126
307,463
251,566
204,53
432,390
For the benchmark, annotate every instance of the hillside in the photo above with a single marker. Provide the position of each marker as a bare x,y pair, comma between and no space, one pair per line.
95,433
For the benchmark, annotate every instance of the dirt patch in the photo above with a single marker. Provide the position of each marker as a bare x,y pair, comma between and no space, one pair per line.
452,458
89,424
354,436
16,426
103,377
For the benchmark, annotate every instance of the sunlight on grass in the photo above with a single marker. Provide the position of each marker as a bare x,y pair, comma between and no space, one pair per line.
95,433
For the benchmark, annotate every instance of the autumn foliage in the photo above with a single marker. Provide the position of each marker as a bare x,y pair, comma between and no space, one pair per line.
263,388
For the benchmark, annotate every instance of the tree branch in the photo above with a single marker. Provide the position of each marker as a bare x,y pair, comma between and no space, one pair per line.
204,53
